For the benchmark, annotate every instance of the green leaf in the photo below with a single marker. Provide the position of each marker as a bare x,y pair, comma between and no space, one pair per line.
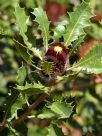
53,130
47,67
31,89
61,108
79,19
21,20
77,44
92,62
16,106
46,114
23,52
22,72
37,52
42,20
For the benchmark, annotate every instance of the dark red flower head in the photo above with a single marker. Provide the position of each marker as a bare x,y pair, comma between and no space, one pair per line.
57,54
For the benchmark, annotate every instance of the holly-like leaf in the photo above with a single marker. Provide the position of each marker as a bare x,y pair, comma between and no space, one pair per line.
61,108
92,62
42,20
21,21
79,19
31,89
22,72
53,130
47,67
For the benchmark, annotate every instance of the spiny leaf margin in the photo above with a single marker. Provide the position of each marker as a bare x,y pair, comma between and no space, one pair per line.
92,62
79,19
42,20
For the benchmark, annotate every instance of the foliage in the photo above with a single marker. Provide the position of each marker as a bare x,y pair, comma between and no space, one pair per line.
79,19
91,63
33,101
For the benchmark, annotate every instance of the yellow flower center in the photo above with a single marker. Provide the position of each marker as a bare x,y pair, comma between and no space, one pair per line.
58,49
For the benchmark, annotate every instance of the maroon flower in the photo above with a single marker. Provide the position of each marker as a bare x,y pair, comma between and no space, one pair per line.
57,54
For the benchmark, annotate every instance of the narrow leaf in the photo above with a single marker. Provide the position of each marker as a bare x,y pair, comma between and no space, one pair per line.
79,19
92,62
42,20
21,20
30,89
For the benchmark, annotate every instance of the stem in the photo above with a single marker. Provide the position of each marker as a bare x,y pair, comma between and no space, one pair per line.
30,108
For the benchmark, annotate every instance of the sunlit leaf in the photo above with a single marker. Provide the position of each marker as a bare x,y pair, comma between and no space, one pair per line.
79,19
92,62
21,21
47,67
22,72
42,20
31,89
62,109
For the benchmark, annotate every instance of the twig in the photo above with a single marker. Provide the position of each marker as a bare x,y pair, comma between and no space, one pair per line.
30,108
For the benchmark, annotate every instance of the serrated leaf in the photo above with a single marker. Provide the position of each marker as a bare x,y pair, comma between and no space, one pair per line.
92,62
21,20
42,20
79,19
47,67
62,109
31,89
77,44
53,130
22,72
